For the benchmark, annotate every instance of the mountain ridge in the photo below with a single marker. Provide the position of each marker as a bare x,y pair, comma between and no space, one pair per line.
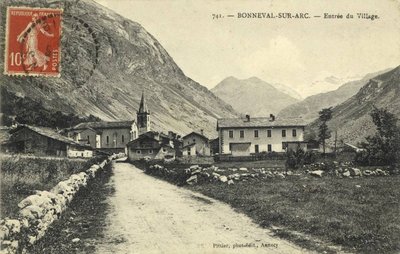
352,120
265,98
309,107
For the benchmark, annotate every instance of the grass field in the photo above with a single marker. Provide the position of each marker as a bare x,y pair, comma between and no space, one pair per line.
361,214
21,176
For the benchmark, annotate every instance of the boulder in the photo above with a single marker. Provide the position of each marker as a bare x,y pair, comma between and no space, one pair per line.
223,179
281,175
205,174
243,169
367,172
355,172
346,174
31,212
75,240
317,173
14,226
192,180
4,232
230,182
197,171
215,174
380,172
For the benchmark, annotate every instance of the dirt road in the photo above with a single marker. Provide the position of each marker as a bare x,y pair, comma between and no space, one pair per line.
148,215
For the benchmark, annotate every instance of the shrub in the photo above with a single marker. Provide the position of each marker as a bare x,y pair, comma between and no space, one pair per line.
299,158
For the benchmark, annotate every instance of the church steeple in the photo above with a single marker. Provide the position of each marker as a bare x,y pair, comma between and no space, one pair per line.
143,116
143,106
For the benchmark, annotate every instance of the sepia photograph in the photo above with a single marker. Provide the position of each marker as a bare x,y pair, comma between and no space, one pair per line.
186,126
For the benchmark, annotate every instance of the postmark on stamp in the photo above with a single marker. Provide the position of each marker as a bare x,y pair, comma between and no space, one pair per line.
33,42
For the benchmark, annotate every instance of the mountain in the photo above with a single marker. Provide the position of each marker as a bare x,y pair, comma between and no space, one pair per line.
107,62
308,108
323,84
252,96
287,90
351,118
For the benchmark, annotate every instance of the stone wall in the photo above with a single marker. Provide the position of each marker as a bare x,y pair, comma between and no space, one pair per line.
38,211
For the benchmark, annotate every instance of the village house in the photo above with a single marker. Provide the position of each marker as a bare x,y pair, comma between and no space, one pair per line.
195,144
112,136
243,137
44,142
151,145
108,136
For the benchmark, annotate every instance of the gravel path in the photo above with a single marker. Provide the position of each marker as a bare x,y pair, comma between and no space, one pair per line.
148,215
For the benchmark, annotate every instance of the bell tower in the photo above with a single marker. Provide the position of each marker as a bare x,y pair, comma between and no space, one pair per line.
143,117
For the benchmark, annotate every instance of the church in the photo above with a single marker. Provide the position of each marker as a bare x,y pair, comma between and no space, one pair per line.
112,137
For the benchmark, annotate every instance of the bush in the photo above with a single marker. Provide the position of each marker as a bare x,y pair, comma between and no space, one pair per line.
299,158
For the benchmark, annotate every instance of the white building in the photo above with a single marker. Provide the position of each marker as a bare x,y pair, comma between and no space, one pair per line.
242,137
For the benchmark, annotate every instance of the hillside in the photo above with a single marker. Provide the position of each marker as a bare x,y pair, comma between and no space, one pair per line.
107,61
252,96
351,118
308,108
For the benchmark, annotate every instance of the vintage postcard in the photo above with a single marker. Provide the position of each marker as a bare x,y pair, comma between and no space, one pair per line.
33,41
185,126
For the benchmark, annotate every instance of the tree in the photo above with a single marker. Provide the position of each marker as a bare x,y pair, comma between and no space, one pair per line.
383,147
324,133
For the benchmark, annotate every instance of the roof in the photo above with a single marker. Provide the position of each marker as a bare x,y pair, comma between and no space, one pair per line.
197,134
48,132
189,145
104,125
143,106
160,143
259,122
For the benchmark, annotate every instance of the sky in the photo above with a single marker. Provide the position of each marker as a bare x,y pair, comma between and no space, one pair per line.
294,52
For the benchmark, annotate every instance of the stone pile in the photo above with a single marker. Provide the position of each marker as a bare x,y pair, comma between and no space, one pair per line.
195,174
38,211
342,170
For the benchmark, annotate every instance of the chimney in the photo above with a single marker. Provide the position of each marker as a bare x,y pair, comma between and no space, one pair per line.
202,132
271,117
248,118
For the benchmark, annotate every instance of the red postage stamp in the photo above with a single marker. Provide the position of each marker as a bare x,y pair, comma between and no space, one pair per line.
33,45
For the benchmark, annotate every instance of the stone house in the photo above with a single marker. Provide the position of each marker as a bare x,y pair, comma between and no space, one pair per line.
152,146
106,136
246,136
43,141
195,144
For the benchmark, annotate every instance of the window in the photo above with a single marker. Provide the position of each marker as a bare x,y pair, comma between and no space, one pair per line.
138,152
88,140
188,150
269,133
283,133
256,133
284,145
294,133
256,149
242,134
269,148
164,150
150,151
194,140
230,134
122,138
108,140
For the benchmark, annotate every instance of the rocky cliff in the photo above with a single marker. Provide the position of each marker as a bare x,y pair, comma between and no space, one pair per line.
107,62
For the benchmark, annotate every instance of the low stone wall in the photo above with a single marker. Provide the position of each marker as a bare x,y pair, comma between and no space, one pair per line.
197,174
38,211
